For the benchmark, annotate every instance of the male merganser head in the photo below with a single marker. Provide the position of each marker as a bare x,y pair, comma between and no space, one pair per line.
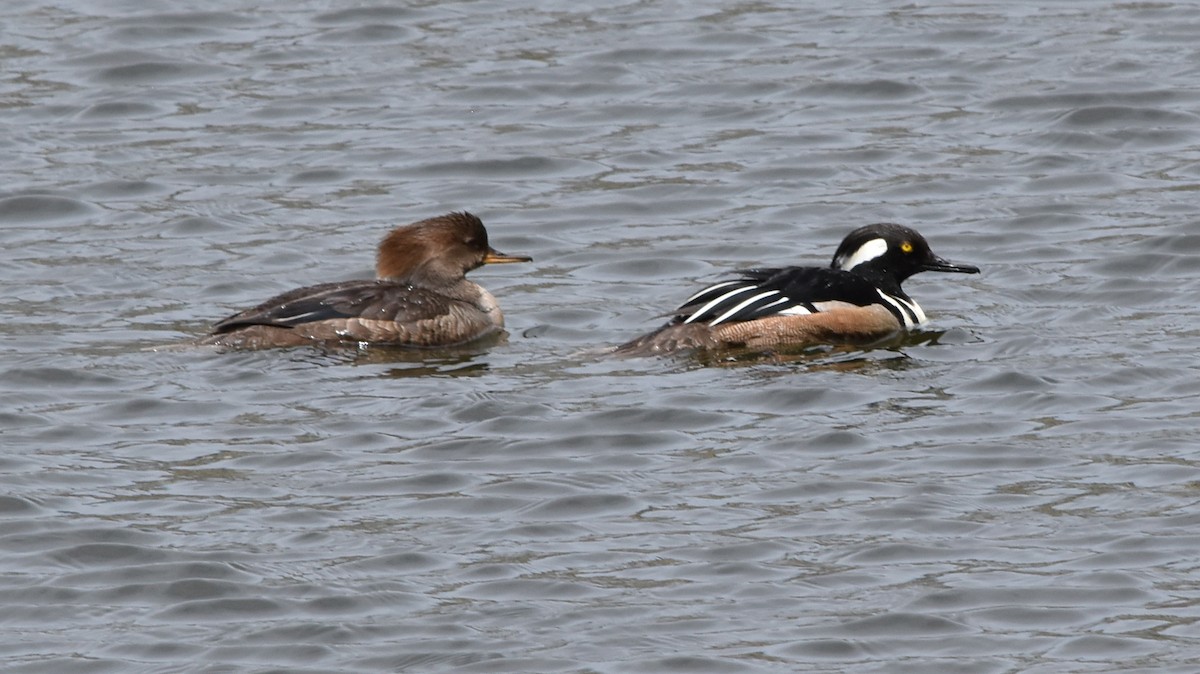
888,252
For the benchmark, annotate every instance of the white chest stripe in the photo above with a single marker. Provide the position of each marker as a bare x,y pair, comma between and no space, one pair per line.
910,310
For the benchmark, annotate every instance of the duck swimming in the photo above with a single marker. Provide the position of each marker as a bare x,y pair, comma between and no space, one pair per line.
419,298
856,300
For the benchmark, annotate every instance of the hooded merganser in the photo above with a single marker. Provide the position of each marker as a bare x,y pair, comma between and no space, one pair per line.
420,297
856,300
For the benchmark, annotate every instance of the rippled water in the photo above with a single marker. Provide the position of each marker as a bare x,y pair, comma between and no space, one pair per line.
1015,491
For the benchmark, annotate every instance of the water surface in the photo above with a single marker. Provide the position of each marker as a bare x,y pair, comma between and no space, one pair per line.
1014,490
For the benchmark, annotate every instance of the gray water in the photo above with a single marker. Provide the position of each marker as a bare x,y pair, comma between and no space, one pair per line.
1014,490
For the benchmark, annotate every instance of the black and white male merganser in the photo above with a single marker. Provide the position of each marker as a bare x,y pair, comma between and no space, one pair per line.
420,298
856,300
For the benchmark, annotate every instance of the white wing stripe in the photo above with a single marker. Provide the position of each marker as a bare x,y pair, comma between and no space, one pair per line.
797,310
743,305
727,296
298,317
785,298
708,290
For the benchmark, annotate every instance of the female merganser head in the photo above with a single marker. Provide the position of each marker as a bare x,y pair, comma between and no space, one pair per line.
420,298
856,300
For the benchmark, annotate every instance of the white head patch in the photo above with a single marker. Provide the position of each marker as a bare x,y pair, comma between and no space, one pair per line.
865,253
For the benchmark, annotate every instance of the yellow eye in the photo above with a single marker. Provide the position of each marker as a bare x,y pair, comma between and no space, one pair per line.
906,246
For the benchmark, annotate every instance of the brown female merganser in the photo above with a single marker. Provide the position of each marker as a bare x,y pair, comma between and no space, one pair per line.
420,298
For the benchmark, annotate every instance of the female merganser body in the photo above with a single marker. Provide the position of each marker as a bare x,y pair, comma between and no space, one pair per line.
420,298
856,300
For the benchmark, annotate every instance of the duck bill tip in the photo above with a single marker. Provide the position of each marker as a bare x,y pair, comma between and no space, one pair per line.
954,268
938,264
496,257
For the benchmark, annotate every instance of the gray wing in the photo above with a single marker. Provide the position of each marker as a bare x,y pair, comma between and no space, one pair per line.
366,300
